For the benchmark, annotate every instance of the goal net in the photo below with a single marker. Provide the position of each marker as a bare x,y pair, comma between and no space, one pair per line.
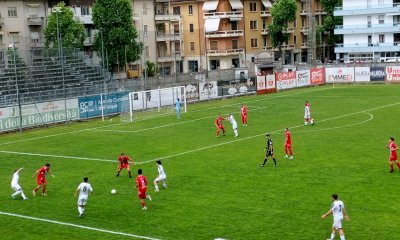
152,102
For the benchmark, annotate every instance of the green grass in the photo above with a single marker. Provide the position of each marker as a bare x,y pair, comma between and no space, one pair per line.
216,187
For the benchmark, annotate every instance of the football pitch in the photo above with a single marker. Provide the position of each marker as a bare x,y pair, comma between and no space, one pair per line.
216,187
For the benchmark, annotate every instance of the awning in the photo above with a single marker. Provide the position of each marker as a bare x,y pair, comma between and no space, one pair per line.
236,4
210,5
392,14
212,25
267,3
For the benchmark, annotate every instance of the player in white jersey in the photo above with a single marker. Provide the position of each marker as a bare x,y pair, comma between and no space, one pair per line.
161,176
84,189
338,211
307,113
234,124
15,185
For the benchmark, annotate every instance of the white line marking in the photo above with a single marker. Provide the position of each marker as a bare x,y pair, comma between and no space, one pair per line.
58,156
78,226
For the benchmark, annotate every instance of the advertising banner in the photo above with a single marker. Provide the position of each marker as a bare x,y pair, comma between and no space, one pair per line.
339,75
286,80
91,106
261,83
362,74
377,74
192,92
237,87
208,90
270,82
393,74
317,76
302,78
38,114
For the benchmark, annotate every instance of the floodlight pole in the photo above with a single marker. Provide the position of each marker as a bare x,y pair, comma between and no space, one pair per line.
16,85
61,57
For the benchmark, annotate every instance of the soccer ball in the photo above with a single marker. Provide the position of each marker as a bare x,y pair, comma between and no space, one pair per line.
113,191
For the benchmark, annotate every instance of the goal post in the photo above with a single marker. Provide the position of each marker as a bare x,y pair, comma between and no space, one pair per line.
160,100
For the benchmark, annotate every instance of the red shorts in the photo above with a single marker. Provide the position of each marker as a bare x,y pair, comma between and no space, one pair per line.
393,158
142,194
124,165
288,145
41,180
221,127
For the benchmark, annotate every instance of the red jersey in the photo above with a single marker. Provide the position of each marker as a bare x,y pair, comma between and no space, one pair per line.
243,111
123,160
393,152
288,139
42,173
141,181
218,121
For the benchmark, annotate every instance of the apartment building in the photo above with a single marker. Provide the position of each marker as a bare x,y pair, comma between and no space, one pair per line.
370,30
22,22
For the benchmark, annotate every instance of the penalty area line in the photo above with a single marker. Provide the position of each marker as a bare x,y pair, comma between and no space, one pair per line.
58,156
77,226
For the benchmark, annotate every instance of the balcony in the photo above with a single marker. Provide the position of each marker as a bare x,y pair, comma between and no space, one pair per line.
289,30
320,12
304,12
367,47
163,37
224,34
226,52
232,15
266,13
304,46
368,28
288,46
305,30
169,57
264,31
388,9
1,21
35,21
167,17
267,48
85,19
36,44
88,41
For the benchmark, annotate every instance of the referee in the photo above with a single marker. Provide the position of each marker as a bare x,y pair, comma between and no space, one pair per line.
269,151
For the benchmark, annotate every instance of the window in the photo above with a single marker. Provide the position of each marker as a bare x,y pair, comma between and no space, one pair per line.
294,40
191,28
84,10
33,11
381,38
213,45
190,9
264,24
253,7
14,37
144,10
192,46
147,52
176,10
193,66
265,41
145,31
234,25
254,43
235,44
369,21
12,11
369,40
295,23
253,25
214,64
381,19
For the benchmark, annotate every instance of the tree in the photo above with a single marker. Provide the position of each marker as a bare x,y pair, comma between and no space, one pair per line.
117,36
325,33
282,12
152,69
72,32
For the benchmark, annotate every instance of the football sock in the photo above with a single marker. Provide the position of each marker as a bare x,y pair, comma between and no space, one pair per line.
274,161
342,237
16,193
332,236
80,210
143,204
265,161
164,185
129,173
23,195
391,167
156,187
291,152
236,133
398,165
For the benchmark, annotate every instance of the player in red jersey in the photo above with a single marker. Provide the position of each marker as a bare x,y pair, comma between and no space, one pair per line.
141,184
124,163
243,113
393,154
41,179
288,144
218,123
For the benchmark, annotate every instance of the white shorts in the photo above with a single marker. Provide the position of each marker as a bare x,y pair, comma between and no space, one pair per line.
16,187
160,178
234,126
307,116
82,201
337,223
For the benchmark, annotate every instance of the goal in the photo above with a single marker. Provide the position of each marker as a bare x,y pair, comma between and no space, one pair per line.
161,101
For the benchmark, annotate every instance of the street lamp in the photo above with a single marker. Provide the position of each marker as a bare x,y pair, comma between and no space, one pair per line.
144,50
57,10
16,82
